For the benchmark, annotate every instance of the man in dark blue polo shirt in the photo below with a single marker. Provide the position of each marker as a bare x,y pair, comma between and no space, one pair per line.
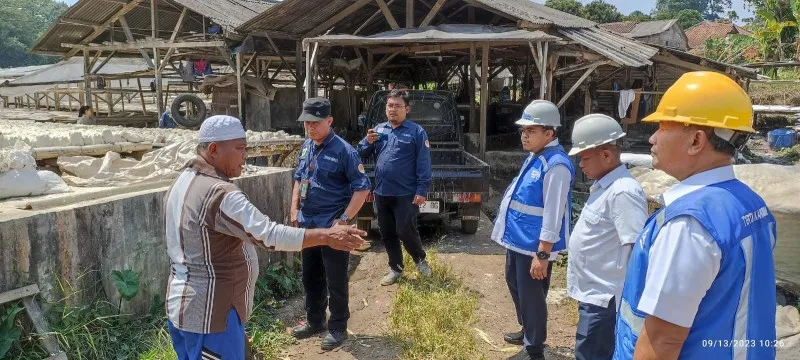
330,186
402,178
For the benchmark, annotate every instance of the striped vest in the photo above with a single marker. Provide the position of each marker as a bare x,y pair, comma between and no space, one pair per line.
523,217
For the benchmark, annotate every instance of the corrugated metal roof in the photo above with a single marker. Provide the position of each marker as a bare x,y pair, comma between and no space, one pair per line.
636,29
440,34
300,16
622,50
537,13
231,13
67,71
705,30
228,13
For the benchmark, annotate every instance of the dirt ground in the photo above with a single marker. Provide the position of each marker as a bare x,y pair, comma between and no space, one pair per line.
478,261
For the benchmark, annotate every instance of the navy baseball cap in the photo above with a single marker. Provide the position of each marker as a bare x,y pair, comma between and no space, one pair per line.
315,109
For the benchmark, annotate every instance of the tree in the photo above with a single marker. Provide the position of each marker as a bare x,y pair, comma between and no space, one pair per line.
601,12
638,16
568,6
21,23
688,18
709,9
732,16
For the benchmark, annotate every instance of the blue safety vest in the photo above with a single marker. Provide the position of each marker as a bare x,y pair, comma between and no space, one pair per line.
736,318
523,221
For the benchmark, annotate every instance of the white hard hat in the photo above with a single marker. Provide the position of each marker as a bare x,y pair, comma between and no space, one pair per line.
540,112
594,130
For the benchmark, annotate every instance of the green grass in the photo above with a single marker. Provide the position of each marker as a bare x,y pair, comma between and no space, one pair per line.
97,332
432,318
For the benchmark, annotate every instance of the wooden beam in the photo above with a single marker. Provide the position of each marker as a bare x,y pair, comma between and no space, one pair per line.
129,35
581,66
308,69
227,57
454,13
17,294
409,14
333,20
577,85
101,29
249,63
174,36
278,51
678,63
371,19
298,83
240,88
387,13
104,62
432,13
383,62
79,22
484,98
160,44
474,122
542,50
610,76
87,83
443,47
94,61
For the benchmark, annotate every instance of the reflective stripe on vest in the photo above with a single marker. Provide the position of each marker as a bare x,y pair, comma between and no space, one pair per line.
634,322
526,209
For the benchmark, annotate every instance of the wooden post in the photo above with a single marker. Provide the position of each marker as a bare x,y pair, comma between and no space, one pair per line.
409,14
587,101
87,84
370,66
47,101
141,97
484,97
473,119
239,86
308,70
298,64
156,57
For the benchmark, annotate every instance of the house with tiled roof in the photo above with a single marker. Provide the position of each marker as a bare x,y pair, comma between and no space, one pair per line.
705,30
659,32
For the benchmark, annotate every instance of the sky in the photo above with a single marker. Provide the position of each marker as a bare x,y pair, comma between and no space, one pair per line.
624,6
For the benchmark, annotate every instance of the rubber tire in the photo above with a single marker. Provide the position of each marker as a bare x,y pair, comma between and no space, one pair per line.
469,226
188,122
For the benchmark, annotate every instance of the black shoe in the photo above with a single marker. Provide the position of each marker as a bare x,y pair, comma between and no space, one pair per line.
515,338
333,340
307,330
522,355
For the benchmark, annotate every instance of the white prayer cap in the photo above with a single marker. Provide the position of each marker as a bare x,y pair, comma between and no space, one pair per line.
220,128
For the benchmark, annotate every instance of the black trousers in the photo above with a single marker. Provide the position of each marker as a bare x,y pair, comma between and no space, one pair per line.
325,280
397,218
529,297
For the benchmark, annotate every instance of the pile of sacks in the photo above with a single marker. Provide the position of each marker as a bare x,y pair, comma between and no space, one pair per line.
19,176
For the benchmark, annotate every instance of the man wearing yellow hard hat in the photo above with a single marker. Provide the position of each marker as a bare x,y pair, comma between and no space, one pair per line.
701,278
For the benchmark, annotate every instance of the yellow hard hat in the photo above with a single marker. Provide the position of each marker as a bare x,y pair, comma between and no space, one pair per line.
706,98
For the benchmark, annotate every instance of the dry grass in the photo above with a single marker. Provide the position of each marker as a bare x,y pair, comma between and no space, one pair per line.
775,93
559,281
432,318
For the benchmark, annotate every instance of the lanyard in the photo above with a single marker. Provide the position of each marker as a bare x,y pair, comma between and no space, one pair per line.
314,155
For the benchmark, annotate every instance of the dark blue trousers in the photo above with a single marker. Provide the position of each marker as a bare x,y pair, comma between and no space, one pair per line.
529,297
594,338
397,218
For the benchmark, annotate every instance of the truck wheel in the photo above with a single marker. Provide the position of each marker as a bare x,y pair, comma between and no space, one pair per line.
196,110
469,226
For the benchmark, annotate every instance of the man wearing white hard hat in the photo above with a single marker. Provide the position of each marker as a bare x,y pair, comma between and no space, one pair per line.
533,223
212,232
601,242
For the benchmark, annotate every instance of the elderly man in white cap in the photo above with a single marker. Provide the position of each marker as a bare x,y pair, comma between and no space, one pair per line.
212,232
600,244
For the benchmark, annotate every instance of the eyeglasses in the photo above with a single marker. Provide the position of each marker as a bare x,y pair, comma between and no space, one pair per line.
528,132
396,107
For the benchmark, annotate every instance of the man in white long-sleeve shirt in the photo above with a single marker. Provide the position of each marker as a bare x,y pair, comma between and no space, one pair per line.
533,224
601,242
212,230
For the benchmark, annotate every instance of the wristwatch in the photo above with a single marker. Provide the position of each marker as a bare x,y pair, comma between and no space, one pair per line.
543,255
345,218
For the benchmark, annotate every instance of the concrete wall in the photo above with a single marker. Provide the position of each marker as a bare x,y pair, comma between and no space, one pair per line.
71,251
284,110
674,37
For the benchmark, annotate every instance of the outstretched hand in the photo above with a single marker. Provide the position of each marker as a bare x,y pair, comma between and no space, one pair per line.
345,237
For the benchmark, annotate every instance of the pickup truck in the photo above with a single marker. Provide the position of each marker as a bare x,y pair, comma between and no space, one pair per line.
460,181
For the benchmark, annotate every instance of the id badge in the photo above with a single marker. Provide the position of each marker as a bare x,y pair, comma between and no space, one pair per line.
303,189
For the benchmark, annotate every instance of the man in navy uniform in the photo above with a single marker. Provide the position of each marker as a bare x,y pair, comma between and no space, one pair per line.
402,177
330,186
